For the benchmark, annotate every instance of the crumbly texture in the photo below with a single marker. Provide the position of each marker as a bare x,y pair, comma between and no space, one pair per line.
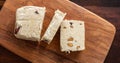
72,36
53,26
29,20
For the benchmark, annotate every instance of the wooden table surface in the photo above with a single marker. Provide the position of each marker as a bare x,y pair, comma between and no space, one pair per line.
108,9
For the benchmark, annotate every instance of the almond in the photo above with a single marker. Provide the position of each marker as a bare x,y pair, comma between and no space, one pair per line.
70,44
64,27
77,47
70,39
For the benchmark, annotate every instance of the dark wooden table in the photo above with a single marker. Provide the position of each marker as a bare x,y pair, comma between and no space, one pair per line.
108,9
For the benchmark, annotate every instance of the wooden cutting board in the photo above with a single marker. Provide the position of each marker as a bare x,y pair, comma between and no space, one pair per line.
98,38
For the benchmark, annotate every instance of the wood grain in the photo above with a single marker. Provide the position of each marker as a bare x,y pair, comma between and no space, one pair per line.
7,56
108,3
99,34
1,3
